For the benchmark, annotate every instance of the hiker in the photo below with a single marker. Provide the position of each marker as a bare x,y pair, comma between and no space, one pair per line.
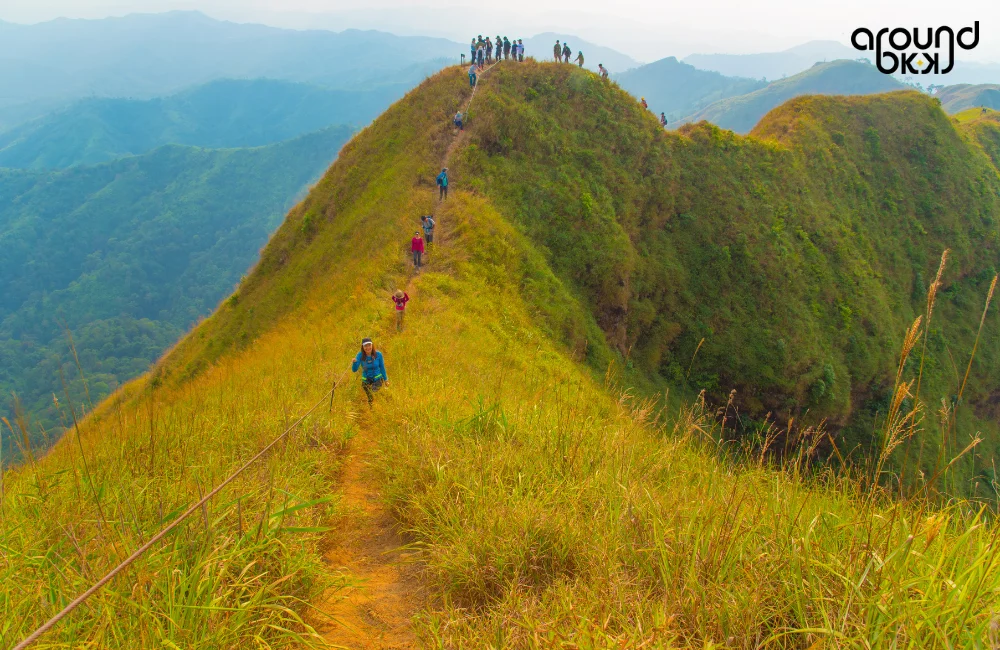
604,71
427,223
506,48
579,58
417,248
489,50
481,56
472,51
663,120
400,298
499,46
442,181
372,366
520,50
644,104
472,75
566,52
557,51
458,120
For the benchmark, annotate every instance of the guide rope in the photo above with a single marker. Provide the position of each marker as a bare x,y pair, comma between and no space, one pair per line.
79,600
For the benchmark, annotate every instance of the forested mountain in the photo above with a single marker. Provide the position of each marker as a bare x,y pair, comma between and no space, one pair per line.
222,114
128,255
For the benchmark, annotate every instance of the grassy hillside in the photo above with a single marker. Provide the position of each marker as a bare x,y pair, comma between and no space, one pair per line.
957,98
984,128
843,77
222,114
128,255
679,89
547,504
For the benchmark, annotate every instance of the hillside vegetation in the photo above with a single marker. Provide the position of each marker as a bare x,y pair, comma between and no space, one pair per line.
841,77
583,253
679,89
128,255
222,114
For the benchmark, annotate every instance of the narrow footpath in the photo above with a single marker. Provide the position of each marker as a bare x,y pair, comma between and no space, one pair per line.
377,611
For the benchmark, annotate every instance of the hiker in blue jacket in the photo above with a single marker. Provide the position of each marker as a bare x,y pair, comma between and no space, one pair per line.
372,368
442,181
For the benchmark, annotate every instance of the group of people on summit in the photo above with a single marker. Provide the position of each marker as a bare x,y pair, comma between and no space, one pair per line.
482,51
563,52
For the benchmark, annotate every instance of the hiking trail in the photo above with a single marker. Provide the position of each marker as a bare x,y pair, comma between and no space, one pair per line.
376,609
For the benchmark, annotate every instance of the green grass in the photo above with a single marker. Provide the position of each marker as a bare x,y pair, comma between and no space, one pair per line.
552,498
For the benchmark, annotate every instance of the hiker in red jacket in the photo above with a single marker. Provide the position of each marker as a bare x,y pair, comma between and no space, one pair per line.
417,246
400,298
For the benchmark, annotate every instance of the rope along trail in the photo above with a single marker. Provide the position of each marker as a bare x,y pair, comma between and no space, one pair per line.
79,600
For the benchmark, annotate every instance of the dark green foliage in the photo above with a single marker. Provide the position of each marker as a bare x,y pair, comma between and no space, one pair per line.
129,254
226,113
799,255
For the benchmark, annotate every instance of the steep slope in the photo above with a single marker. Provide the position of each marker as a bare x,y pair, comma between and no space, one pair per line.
679,89
542,505
957,98
222,114
835,78
128,255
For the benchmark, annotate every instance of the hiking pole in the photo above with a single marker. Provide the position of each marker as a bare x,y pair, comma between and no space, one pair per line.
334,390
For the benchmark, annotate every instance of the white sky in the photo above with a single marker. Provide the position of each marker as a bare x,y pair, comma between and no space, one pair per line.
644,29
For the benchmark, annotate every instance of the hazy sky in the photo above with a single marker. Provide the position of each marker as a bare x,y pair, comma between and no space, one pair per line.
645,29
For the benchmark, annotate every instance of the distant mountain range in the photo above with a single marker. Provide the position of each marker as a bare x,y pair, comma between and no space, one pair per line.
147,55
962,96
773,65
679,89
221,114
740,113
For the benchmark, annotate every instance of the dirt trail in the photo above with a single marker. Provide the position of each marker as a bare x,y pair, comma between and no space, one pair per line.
377,612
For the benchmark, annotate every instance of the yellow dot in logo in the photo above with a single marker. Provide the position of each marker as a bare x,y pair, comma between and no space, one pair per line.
920,62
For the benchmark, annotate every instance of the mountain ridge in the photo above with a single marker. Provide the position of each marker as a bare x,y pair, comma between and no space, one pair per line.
520,441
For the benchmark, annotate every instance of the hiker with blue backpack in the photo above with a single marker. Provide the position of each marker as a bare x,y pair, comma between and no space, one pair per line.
442,181
372,367
427,223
